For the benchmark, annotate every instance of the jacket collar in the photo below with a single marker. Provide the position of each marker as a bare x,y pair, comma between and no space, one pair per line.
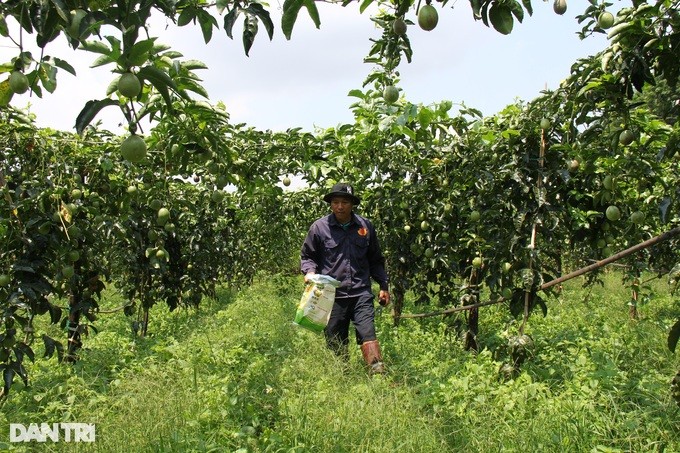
333,221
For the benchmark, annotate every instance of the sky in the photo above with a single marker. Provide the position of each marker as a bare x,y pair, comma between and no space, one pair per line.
304,82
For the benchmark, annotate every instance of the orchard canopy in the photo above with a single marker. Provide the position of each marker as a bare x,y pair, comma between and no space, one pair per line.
465,204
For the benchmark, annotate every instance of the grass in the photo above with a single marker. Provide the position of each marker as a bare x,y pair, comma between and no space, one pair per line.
238,376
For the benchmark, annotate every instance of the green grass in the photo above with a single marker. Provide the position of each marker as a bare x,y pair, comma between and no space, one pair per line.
238,376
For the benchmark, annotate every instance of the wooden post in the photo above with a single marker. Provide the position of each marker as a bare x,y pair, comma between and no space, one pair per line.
74,343
397,303
633,311
473,316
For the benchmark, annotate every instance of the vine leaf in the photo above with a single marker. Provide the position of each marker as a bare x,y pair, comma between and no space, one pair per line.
249,31
52,345
291,8
90,111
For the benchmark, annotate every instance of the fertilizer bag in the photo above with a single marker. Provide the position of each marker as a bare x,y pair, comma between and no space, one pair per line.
316,303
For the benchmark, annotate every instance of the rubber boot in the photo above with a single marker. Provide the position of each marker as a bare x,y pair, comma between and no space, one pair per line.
372,357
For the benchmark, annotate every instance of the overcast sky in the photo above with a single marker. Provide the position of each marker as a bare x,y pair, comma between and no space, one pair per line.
304,82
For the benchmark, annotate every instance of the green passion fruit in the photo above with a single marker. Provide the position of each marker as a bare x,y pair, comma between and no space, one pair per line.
428,17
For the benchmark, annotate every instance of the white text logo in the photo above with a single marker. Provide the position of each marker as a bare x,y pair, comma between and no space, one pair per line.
56,432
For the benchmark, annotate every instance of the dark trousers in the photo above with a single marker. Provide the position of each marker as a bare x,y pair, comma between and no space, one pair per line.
359,310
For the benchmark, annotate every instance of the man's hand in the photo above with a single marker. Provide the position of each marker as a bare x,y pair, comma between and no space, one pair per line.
308,275
384,298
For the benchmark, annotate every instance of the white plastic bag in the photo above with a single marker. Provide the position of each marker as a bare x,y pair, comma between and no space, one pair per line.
316,303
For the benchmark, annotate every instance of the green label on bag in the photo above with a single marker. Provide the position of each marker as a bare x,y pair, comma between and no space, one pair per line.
315,306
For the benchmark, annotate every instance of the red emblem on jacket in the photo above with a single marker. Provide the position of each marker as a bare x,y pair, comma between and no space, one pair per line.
362,231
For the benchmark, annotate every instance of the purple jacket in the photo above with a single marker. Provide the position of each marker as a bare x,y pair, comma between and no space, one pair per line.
351,256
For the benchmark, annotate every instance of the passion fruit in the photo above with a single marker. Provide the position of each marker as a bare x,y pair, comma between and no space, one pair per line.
605,20
133,149
560,6
399,26
428,17
390,94
18,82
68,271
626,137
129,85
217,196
156,204
613,213
163,216
574,165
637,217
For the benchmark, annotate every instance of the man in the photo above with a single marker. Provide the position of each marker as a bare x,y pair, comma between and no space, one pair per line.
345,246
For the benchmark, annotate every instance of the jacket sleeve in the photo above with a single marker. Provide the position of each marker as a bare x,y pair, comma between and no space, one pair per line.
376,261
310,252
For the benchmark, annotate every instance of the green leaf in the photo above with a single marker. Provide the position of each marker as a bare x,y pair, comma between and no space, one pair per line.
663,208
477,9
48,76
156,77
4,31
24,349
160,80
221,5
357,94
193,64
541,303
8,378
196,88
485,13
249,31
291,8
51,346
101,61
229,21
55,313
259,11
90,111
186,16
207,22
58,62
501,18
365,4
425,116
96,47
61,9
139,53
517,11
517,302
5,93
313,12
528,7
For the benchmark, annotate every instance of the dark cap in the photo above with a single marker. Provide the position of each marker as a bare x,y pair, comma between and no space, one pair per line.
342,189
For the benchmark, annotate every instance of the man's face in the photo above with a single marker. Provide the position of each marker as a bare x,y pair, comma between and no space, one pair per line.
342,208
